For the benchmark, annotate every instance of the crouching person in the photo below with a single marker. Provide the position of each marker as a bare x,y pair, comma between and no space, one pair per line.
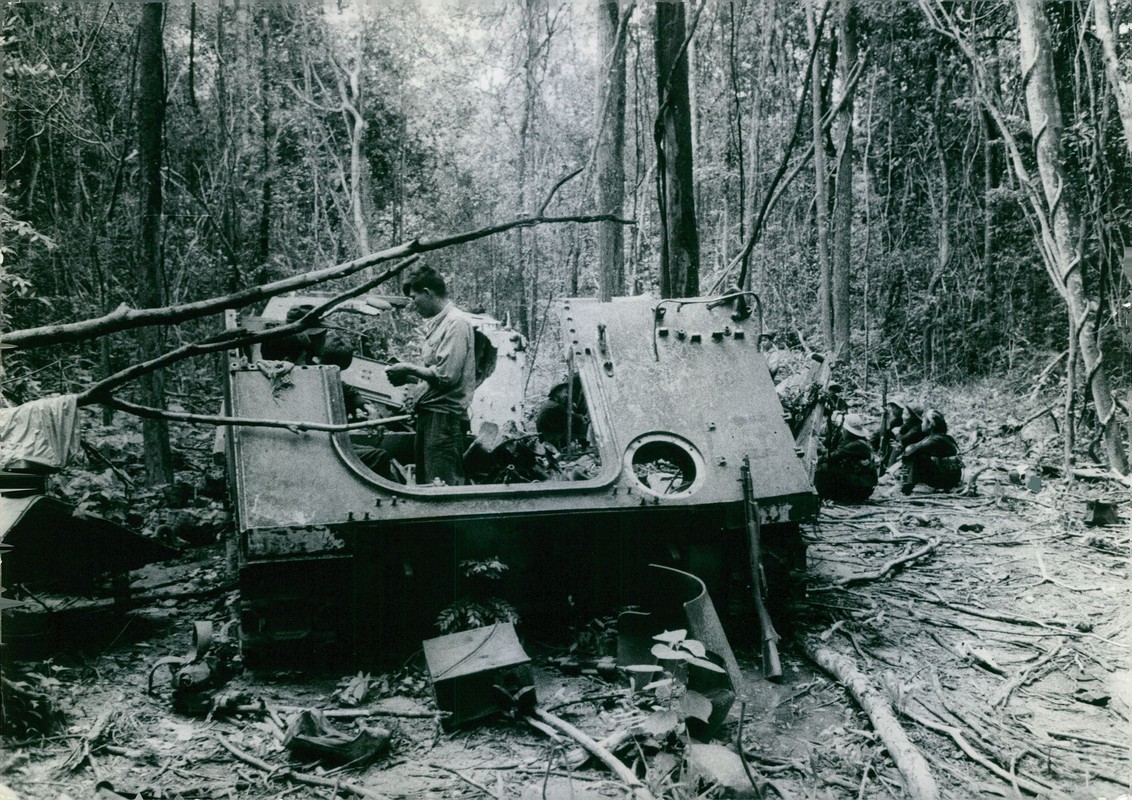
847,473
933,460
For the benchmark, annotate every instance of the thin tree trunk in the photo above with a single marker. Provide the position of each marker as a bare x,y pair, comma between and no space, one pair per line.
1120,87
192,90
151,114
228,227
265,203
680,245
349,92
821,188
610,152
843,209
941,212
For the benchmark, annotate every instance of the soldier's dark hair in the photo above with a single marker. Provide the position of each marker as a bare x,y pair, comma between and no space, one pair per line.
426,278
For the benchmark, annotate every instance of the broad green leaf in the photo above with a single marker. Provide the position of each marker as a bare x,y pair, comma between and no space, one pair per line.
672,637
694,647
663,651
703,662
694,704
644,668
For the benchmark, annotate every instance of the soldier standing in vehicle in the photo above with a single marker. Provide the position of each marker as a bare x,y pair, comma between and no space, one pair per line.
449,370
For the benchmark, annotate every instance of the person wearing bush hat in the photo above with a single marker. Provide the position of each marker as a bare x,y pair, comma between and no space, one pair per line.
554,420
846,473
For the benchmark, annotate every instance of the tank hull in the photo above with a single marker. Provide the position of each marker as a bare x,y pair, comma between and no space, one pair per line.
330,552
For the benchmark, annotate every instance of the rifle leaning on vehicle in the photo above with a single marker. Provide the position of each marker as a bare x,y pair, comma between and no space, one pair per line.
772,665
885,434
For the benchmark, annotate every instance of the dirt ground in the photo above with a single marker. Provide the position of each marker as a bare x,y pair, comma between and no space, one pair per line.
1002,647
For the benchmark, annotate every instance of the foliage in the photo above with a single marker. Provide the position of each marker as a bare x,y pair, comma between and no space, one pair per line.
596,637
466,114
108,483
480,607
666,684
30,702
676,646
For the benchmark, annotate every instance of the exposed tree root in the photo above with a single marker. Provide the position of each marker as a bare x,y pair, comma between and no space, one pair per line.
906,756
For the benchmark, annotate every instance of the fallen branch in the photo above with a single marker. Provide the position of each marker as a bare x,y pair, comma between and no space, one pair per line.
1041,379
341,713
1054,581
126,318
1030,785
467,780
228,340
1002,696
970,488
596,698
742,758
906,756
246,422
627,776
885,569
300,777
1101,475
1122,746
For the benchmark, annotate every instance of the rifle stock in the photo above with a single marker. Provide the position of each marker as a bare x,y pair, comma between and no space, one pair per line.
772,665
882,449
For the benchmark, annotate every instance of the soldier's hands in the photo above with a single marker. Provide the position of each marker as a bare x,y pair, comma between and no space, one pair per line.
400,374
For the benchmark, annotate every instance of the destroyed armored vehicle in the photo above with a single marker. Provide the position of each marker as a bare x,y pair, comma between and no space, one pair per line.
336,557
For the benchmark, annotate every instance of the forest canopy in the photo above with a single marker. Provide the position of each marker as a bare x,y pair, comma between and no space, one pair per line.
936,191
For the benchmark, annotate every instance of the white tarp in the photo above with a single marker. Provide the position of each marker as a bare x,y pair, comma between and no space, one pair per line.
43,432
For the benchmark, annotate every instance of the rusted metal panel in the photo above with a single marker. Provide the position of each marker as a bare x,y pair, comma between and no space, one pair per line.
499,399
49,541
294,541
706,399
477,672
368,376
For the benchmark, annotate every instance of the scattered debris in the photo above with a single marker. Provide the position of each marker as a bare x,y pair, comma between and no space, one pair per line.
918,779
29,703
311,736
1100,512
1026,476
468,668
719,766
203,668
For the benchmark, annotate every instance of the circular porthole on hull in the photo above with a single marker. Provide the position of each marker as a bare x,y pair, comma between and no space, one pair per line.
664,465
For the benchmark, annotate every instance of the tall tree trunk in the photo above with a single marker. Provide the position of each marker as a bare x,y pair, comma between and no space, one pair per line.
192,85
737,110
266,191
525,244
151,279
941,221
350,95
1065,246
610,150
821,188
843,208
228,229
679,244
1121,87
